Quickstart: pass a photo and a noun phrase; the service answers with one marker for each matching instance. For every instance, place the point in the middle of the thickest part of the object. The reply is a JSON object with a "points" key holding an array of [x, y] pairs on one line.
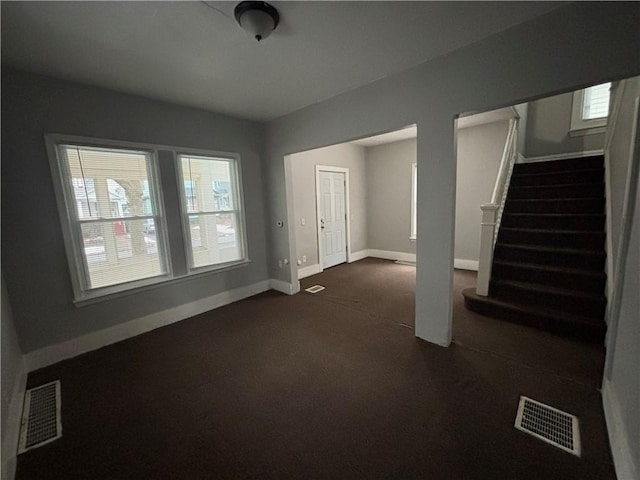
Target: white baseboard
{"points": [[355, 256], [281, 286], [562, 156], [389, 255], [55, 353], [308, 271], [12, 429], [463, 264], [623, 456]]}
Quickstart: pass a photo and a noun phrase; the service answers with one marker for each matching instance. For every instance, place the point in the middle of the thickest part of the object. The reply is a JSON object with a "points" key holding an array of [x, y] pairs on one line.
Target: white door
{"points": [[333, 221]]}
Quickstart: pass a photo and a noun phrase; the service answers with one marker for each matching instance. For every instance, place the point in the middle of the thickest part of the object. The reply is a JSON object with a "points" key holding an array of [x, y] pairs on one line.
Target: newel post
{"points": [[487, 231]]}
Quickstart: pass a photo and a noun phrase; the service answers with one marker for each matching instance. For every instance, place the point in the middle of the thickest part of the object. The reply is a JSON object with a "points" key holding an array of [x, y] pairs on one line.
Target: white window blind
{"points": [[595, 103], [112, 209], [212, 208]]}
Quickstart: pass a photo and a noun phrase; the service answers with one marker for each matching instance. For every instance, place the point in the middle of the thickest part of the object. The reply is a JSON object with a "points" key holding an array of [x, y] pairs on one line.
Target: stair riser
{"points": [[558, 222], [592, 333], [582, 283], [565, 191], [559, 165], [589, 240], [587, 205], [553, 259], [587, 176], [587, 307]]}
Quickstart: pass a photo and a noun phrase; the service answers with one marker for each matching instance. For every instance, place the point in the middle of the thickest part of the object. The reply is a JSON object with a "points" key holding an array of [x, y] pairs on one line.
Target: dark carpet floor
{"points": [[332, 385]]}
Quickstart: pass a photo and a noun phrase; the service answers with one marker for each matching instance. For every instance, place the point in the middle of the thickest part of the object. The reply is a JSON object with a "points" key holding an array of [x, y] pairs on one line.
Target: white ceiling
{"points": [[191, 54]]}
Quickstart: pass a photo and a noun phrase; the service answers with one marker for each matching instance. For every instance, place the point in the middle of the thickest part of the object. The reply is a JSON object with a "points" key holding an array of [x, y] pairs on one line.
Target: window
{"points": [[111, 206], [212, 210], [414, 201], [590, 110], [113, 218]]}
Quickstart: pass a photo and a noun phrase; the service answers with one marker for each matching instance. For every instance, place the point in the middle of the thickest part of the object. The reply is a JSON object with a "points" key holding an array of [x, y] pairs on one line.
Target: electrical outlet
{"points": [[303, 221], [304, 259], [280, 263]]}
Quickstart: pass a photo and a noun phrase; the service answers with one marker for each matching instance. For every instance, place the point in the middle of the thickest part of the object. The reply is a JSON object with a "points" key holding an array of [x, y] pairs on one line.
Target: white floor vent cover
{"points": [[314, 289], [549, 425], [40, 417]]}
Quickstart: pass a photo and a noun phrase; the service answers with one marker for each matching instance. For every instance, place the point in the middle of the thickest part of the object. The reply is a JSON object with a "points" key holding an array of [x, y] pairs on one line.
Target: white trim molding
{"points": [[283, 287], [355, 256], [623, 456], [562, 156], [309, 270], [463, 264], [92, 341], [389, 255]]}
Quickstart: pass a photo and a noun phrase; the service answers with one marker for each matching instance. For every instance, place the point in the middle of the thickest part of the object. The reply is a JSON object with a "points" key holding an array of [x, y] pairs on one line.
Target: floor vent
{"points": [[549, 425], [40, 417], [314, 289]]}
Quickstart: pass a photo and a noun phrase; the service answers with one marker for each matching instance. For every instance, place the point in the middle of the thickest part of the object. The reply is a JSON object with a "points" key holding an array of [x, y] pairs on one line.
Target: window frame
{"points": [[239, 210], [580, 126], [72, 224], [171, 251], [414, 202]]}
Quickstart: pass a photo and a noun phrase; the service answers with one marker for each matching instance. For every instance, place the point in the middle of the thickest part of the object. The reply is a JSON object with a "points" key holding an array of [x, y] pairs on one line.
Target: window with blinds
{"points": [[111, 202], [590, 110], [595, 103], [212, 210]]}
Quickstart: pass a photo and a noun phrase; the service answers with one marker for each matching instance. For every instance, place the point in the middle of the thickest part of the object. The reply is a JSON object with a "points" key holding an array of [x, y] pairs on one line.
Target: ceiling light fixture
{"points": [[257, 18]]}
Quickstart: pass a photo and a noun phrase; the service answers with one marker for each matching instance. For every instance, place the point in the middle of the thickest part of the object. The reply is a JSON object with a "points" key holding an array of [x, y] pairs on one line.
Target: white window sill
{"points": [[587, 131], [108, 293]]}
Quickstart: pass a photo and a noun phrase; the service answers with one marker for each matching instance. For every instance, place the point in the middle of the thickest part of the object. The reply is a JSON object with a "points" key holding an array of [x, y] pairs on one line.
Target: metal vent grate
{"points": [[40, 417], [549, 425], [314, 289]]}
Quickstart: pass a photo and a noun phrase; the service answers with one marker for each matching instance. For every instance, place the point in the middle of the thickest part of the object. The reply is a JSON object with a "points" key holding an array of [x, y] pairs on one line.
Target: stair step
{"points": [[560, 165], [555, 221], [561, 238], [551, 256], [564, 177], [581, 280], [571, 301], [571, 190], [543, 318], [555, 205]]}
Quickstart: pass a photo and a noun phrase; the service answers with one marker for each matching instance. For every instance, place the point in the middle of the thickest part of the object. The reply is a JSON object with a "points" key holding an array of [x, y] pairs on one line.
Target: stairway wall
{"points": [[548, 126]]}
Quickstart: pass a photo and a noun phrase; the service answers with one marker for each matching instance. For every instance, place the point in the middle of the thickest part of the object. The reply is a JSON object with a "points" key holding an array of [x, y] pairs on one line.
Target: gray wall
{"points": [[33, 254], [304, 190], [389, 174], [11, 371], [548, 125], [624, 359], [479, 154], [546, 56]]}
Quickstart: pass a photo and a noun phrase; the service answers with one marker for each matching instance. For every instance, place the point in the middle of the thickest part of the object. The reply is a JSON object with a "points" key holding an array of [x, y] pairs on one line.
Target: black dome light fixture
{"points": [[257, 18]]}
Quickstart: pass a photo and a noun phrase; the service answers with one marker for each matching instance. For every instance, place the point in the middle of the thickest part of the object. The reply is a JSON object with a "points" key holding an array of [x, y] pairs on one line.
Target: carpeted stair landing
{"points": [[549, 258]]}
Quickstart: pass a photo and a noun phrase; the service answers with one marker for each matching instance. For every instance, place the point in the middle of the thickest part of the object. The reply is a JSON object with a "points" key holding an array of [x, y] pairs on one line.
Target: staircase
{"points": [[549, 258]]}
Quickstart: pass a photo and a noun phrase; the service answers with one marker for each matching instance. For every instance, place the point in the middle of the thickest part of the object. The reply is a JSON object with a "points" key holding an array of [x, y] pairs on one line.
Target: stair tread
{"points": [[549, 268], [545, 248], [550, 289], [554, 200], [553, 215], [560, 185], [552, 230], [559, 172], [536, 310]]}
